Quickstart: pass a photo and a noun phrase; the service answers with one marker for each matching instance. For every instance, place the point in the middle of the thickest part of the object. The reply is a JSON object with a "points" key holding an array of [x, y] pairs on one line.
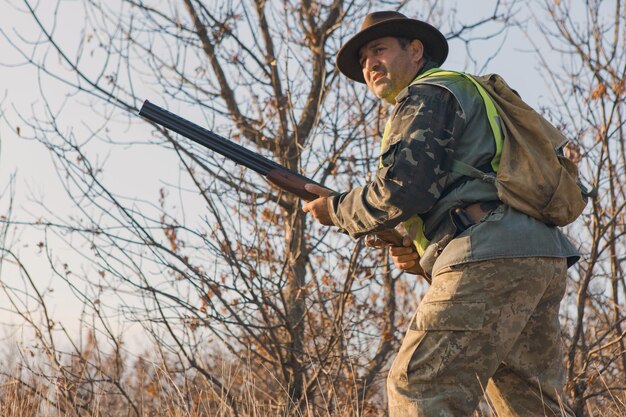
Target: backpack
{"points": [[531, 173]]}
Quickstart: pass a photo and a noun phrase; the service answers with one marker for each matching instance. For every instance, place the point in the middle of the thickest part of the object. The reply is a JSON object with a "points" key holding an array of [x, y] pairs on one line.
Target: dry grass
{"points": [[148, 388]]}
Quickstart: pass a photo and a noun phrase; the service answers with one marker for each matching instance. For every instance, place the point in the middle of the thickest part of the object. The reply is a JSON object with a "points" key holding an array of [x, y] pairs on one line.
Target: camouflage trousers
{"points": [[489, 326]]}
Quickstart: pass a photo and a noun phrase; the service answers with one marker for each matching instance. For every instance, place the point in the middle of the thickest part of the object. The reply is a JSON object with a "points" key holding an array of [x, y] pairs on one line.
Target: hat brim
{"points": [[435, 43]]}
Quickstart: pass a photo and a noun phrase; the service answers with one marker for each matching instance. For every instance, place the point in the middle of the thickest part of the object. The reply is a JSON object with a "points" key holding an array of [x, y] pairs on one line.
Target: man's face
{"points": [[388, 68]]}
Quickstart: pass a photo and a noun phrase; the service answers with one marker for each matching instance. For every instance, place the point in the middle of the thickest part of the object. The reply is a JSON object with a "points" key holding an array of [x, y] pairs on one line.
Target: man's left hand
{"points": [[319, 207]]}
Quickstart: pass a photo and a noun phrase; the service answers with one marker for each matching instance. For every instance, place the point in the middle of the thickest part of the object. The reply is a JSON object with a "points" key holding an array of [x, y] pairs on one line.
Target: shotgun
{"points": [[275, 173]]}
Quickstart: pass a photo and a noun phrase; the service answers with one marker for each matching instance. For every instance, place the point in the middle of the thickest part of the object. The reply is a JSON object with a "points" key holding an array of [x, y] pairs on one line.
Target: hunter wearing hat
{"points": [[489, 321]]}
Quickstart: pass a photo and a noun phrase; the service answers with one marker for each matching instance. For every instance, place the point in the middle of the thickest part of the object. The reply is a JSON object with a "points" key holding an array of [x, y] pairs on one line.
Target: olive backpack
{"points": [[532, 174]]}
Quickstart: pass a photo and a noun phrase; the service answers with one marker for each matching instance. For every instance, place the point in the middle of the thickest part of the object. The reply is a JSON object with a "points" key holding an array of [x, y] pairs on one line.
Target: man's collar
{"points": [[427, 66]]}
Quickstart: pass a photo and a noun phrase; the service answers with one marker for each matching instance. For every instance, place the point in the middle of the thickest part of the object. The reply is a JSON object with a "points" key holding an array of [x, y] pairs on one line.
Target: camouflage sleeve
{"points": [[411, 177]]}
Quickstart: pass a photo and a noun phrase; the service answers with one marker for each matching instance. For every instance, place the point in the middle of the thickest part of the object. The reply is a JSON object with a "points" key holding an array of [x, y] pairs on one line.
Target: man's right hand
{"points": [[404, 257]]}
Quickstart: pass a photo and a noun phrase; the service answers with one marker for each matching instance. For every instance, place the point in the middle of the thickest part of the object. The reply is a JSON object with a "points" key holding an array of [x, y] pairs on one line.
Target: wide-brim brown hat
{"points": [[381, 24]]}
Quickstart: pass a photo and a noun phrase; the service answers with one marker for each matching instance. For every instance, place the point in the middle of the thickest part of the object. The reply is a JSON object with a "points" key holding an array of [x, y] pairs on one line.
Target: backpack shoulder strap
{"points": [[467, 170]]}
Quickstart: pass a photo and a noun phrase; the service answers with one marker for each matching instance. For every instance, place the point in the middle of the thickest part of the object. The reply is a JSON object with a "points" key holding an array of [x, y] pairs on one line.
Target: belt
{"points": [[465, 217]]}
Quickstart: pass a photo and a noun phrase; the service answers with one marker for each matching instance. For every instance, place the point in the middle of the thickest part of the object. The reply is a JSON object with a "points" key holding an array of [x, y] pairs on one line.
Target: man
{"points": [[489, 321]]}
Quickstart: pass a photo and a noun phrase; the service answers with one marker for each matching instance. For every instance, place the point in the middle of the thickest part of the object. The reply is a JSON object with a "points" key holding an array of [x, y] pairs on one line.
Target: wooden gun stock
{"points": [[391, 236], [293, 184]]}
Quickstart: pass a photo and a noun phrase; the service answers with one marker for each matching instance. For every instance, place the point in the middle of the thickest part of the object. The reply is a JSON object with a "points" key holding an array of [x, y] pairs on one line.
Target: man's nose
{"points": [[371, 63]]}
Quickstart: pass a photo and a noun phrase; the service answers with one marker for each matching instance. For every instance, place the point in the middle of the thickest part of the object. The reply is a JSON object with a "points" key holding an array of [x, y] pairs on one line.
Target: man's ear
{"points": [[417, 50]]}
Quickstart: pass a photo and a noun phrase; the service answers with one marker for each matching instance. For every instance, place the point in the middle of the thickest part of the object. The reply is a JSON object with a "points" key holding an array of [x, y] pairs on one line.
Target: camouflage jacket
{"points": [[423, 127]]}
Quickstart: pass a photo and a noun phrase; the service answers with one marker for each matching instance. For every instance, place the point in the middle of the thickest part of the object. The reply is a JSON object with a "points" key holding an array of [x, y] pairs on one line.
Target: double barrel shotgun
{"points": [[275, 173]]}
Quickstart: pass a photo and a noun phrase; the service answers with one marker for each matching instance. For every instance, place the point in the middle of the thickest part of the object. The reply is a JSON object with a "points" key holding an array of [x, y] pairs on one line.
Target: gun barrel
{"points": [[208, 139], [276, 173]]}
